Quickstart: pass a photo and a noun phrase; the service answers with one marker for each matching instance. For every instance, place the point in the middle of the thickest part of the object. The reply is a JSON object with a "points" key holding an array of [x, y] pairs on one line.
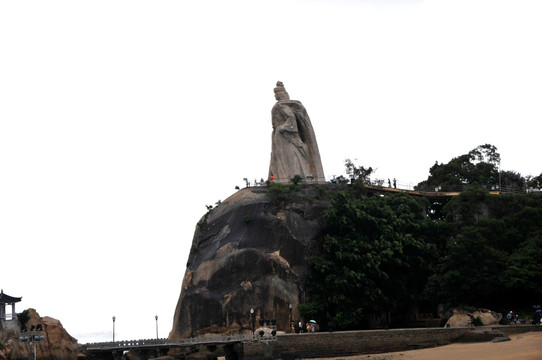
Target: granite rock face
{"points": [[58, 344], [248, 253]]}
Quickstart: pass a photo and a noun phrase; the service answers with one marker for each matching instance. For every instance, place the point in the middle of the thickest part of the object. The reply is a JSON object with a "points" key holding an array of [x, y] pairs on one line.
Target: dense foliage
{"points": [[356, 173], [385, 254], [372, 247], [534, 181], [23, 317], [479, 166]]}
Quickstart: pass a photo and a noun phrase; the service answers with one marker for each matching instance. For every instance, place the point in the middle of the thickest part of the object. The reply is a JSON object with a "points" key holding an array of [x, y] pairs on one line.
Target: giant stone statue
{"points": [[294, 150]]}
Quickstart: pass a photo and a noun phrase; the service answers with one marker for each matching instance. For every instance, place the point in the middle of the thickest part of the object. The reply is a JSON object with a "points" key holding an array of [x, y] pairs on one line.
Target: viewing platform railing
{"points": [[450, 188]]}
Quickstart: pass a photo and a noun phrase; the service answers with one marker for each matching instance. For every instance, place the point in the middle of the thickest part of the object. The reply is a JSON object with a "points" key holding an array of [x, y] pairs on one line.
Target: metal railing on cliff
{"points": [[461, 188], [451, 189]]}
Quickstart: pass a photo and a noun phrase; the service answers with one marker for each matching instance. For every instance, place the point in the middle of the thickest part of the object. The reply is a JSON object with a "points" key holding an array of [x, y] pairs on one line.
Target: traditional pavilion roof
{"points": [[6, 299]]}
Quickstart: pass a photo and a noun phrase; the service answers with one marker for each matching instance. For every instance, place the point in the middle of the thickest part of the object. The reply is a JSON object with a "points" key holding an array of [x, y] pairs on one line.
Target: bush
{"points": [[278, 192], [296, 180], [23, 317]]}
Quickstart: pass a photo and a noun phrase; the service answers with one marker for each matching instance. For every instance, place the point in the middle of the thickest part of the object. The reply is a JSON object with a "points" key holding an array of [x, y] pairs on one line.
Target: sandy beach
{"points": [[526, 346]]}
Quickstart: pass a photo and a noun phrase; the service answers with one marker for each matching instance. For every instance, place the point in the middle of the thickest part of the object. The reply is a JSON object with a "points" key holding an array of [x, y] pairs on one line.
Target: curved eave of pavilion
{"points": [[6, 299]]}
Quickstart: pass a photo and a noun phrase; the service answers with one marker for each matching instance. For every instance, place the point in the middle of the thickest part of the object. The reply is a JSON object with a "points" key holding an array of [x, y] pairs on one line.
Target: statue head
{"points": [[280, 92]]}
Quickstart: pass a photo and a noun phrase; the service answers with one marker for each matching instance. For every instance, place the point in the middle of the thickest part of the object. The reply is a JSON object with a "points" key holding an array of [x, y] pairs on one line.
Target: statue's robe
{"points": [[294, 149]]}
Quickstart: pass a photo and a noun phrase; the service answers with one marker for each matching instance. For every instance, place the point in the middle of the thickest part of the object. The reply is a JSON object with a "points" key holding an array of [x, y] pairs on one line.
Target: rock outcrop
{"points": [[461, 317], [248, 253], [57, 343]]}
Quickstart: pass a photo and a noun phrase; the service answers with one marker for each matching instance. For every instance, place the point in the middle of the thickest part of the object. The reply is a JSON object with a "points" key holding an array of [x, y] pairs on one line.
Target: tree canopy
{"points": [[382, 254], [371, 247], [478, 166]]}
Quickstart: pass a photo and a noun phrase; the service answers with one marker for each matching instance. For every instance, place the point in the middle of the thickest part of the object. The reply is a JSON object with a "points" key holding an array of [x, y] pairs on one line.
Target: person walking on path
{"points": [[510, 317], [394, 183]]}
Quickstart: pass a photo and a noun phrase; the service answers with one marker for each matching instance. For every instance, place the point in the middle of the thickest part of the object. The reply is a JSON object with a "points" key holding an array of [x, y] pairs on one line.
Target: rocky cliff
{"points": [[57, 343], [249, 253]]}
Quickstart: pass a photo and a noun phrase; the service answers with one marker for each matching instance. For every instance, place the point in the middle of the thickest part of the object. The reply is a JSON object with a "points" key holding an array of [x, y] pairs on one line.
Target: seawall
{"points": [[345, 343]]}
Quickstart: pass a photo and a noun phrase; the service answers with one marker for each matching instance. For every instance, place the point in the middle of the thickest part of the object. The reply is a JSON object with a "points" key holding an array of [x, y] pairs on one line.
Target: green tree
{"points": [[486, 153], [524, 271], [468, 207], [492, 254], [296, 180], [478, 166], [365, 266], [359, 174], [528, 221], [382, 253], [23, 317], [535, 182], [469, 272]]}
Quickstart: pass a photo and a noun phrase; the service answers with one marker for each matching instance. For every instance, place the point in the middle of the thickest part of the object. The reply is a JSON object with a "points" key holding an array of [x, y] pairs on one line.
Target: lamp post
{"points": [[290, 307], [156, 318], [114, 329], [500, 188], [252, 319]]}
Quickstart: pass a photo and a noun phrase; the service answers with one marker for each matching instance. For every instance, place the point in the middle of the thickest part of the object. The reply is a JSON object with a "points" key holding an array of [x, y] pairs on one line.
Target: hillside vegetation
{"points": [[390, 254]]}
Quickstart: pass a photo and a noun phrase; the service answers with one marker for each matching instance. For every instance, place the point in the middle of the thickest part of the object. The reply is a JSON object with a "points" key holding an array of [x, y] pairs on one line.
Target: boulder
{"points": [[460, 317], [249, 253]]}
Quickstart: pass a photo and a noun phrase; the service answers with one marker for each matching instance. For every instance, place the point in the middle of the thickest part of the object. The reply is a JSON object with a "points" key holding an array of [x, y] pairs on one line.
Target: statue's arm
{"points": [[292, 136], [289, 131]]}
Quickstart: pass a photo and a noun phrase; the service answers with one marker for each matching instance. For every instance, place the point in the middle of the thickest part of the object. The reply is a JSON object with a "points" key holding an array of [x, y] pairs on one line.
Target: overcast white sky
{"points": [[121, 120]]}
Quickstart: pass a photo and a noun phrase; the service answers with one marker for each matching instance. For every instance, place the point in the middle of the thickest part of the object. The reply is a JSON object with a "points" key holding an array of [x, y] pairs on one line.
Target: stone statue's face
{"points": [[282, 95]]}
